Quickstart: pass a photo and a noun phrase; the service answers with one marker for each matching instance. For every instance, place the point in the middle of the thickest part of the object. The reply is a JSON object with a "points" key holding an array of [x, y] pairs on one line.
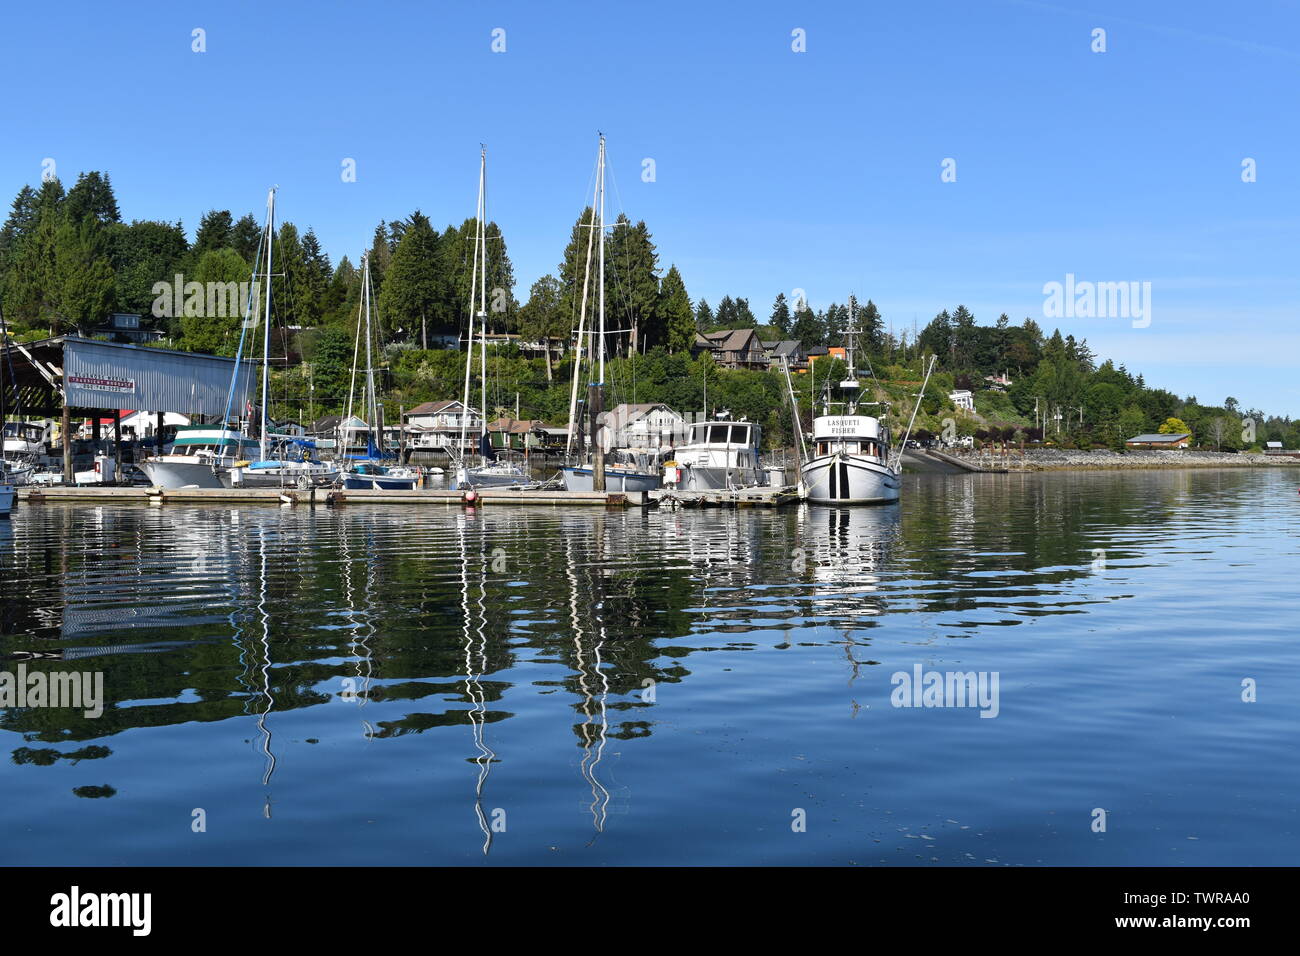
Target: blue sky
{"points": [[775, 170]]}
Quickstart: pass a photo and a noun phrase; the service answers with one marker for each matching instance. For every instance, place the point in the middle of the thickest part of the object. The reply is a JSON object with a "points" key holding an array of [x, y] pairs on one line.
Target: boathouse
{"points": [[1158, 441], [68, 375]]}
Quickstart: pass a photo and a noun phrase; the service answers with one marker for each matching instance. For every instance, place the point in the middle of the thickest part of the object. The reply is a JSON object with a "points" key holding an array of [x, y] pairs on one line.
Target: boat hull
{"points": [[378, 483], [711, 478], [8, 495], [177, 472], [581, 479], [850, 480], [279, 477]]}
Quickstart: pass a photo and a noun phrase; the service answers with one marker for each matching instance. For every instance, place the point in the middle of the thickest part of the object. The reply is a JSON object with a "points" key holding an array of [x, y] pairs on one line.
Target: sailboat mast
{"points": [[372, 403], [266, 332], [481, 251], [600, 181], [582, 333]]}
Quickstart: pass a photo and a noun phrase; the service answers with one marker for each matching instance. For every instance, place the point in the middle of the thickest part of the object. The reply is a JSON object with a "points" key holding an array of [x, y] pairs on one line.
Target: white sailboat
{"points": [[489, 472], [852, 462], [624, 470], [369, 471], [273, 467]]}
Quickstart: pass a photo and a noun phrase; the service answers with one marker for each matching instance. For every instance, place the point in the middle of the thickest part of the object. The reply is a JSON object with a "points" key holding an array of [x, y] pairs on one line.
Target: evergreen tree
{"points": [[216, 231], [704, 319], [632, 284], [413, 286], [542, 316], [676, 314], [872, 327], [92, 198], [143, 254], [244, 238], [780, 319]]}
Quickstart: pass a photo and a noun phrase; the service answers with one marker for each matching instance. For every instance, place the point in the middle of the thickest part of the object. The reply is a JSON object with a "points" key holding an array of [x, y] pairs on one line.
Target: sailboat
{"points": [[489, 472], [852, 461], [623, 471], [369, 471], [200, 454], [273, 467]]}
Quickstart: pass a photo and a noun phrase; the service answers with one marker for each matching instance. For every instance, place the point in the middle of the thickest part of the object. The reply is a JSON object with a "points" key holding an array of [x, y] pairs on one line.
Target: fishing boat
{"points": [[286, 462], [720, 455], [852, 461], [198, 456], [369, 470], [490, 471], [623, 469]]}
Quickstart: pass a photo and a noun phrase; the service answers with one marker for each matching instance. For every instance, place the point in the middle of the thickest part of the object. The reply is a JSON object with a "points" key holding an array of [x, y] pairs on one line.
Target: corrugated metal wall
{"points": [[107, 375]]}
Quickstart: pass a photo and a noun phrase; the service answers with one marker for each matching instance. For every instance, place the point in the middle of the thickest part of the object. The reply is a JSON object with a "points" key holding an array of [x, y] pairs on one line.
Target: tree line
{"points": [[67, 259]]}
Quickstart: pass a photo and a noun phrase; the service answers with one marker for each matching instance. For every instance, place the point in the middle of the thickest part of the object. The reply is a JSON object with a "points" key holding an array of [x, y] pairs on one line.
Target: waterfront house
{"points": [[644, 425], [1158, 441], [963, 399], [732, 348], [437, 426], [517, 434]]}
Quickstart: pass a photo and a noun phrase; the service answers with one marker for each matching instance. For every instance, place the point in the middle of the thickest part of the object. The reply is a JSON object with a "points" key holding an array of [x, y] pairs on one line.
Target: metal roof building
{"points": [[54, 377], [90, 374]]}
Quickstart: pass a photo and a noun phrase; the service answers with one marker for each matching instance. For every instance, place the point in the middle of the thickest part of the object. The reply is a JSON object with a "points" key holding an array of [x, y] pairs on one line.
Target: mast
{"points": [[582, 333], [372, 403], [596, 393], [481, 263], [600, 187], [266, 332]]}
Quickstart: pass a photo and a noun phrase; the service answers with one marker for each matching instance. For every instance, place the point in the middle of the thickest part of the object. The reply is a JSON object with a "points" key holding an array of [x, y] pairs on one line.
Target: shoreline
{"points": [[1045, 459]]}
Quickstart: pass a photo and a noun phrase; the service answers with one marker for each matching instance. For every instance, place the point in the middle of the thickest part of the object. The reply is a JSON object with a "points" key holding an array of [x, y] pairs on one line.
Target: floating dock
{"points": [[767, 497], [330, 497]]}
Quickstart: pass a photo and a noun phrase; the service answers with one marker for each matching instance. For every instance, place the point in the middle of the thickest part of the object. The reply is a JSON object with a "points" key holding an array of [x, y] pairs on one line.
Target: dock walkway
{"points": [[328, 496]]}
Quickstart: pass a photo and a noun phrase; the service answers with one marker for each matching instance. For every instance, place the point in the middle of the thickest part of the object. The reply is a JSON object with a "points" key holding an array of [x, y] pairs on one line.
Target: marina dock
{"points": [[329, 497]]}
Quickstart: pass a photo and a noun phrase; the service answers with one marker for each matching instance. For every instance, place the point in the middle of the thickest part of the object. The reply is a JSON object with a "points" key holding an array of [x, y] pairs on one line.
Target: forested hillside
{"points": [[68, 259]]}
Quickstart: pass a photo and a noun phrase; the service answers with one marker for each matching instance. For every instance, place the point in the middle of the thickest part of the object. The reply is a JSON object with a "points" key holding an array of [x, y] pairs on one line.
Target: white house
{"points": [[437, 426], [963, 399]]}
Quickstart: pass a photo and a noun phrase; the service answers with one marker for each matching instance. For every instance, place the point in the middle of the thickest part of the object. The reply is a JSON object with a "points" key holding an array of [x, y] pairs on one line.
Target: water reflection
{"points": [[426, 620]]}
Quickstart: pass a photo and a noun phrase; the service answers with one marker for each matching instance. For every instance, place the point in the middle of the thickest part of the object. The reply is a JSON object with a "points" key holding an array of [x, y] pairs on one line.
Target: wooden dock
{"points": [[328, 497], [773, 497]]}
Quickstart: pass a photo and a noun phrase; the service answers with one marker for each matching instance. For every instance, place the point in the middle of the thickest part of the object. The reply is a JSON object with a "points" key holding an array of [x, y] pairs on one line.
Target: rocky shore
{"points": [[1059, 459]]}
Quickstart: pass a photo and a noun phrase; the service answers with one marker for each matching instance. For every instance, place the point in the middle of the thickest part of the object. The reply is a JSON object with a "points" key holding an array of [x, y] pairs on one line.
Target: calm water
{"points": [[390, 685]]}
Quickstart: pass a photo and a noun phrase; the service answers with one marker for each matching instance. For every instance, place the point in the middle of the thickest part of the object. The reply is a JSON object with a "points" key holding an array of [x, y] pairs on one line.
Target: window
{"points": [[740, 434], [718, 434]]}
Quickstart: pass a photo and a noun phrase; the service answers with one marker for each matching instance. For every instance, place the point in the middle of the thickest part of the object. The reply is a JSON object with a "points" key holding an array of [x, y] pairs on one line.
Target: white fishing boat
{"points": [[489, 471], [851, 460], [720, 455], [199, 455], [25, 440], [622, 469]]}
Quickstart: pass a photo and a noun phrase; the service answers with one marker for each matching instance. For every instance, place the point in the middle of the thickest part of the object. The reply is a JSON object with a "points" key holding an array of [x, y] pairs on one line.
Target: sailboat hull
{"points": [[850, 480], [355, 482], [577, 478]]}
